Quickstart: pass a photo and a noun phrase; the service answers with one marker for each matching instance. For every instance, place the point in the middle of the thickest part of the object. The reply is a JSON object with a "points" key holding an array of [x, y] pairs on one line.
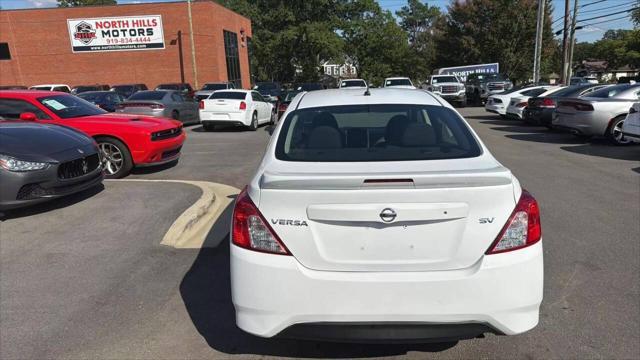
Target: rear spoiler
{"points": [[426, 180]]}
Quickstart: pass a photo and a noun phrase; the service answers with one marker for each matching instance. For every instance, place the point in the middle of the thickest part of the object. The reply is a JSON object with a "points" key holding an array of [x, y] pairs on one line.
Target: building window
{"points": [[5, 54], [233, 60]]}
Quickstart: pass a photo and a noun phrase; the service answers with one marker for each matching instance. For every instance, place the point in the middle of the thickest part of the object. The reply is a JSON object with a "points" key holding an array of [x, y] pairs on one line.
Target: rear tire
{"points": [[254, 122], [614, 132], [115, 156]]}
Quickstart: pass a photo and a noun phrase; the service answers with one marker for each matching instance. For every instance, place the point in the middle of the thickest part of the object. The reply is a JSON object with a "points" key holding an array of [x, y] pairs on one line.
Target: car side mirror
{"points": [[28, 116]]}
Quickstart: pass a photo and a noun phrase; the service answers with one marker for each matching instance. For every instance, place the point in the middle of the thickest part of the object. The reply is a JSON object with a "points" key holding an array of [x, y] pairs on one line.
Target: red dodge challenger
{"points": [[124, 140]]}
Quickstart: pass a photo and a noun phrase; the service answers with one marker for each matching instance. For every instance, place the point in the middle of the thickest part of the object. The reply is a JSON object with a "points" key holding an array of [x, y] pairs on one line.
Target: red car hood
{"points": [[141, 122]]}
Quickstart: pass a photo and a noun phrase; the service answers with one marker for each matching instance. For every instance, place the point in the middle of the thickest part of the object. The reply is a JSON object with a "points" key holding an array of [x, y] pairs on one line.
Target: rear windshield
{"points": [[361, 133], [214, 86], [233, 95], [148, 95], [353, 83], [92, 96], [397, 82], [169, 87], [609, 91], [266, 86], [122, 88], [291, 95], [444, 79]]}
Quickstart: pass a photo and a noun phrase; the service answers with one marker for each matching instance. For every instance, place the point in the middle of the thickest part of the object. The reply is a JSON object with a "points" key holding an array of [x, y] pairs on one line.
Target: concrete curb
{"points": [[190, 229]]}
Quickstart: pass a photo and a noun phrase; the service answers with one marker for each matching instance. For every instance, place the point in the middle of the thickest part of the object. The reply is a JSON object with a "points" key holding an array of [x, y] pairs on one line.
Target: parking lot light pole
{"points": [[193, 47], [565, 49], [572, 41], [538, 44], [180, 55]]}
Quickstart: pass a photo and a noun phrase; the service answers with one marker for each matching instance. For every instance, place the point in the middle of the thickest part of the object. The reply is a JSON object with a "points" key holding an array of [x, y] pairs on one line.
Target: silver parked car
{"points": [[162, 103], [209, 88], [601, 113]]}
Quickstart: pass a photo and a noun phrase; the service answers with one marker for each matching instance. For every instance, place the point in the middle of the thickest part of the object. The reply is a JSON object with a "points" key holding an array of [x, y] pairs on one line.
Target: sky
{"points": [[587, 9]]}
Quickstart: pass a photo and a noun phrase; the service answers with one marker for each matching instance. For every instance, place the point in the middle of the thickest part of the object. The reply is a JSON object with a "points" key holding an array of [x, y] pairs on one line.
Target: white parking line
{"points": [[191, 228]]}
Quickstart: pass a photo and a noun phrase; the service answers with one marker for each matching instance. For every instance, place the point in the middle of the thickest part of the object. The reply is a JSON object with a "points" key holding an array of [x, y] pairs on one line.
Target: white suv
{"points": [[398, 82], [381, 215]]}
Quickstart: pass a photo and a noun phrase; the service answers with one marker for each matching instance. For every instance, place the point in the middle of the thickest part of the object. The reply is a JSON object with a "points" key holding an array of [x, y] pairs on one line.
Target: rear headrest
{"points": [[395, 129], [325, 119], [419, 135], [325, 137]]}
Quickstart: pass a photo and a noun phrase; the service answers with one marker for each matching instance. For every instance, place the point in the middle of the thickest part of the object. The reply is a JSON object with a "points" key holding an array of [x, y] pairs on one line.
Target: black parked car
{"points": [[39, 162], [539, 110], [127, 90], [271, 91], [106, 100], [84, 88]]}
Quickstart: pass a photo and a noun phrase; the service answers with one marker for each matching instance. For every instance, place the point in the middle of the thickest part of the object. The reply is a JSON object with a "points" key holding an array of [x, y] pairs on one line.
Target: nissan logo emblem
{"points": [[388, 215]]}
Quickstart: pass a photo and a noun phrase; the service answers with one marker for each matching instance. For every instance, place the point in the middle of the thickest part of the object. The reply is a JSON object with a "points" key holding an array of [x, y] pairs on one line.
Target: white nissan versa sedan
{"points": [[382, 216]]}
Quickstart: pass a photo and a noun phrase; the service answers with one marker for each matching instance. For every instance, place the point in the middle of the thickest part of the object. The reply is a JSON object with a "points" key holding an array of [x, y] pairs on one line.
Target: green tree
{"points": [[291, 38], [374, 41], [503, 31], [418, 20], [74, 3]]}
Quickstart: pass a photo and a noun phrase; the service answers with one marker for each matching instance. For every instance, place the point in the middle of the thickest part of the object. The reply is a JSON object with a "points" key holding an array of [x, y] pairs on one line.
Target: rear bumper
{"points": [[272, 293], [499, 109], [538, 116], [580, 123], [514, 112], [234, 118]]}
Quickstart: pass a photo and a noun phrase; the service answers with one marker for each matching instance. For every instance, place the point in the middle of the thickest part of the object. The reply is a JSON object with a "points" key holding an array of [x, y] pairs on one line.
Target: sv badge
{"points": [[486, 220]]}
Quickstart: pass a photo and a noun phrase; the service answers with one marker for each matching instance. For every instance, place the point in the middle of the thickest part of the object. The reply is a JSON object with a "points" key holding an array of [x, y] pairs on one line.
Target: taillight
{"points": [[201, 104], [243, 105], [521, 104], [548, 103], [583, 107], [522, 229], [250, 229], [282, 107]]}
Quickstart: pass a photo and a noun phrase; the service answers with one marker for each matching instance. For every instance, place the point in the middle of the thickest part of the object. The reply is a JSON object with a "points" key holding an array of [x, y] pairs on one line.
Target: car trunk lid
{"points": [[404, 221]]}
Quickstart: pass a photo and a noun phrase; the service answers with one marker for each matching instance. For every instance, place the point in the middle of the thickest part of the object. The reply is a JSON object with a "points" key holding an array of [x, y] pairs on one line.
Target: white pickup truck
{"points": [[449, 87]]}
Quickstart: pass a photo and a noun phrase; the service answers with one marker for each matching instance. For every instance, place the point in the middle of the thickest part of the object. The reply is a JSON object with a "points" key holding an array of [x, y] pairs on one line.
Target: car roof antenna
{"points": [[367, 92]]}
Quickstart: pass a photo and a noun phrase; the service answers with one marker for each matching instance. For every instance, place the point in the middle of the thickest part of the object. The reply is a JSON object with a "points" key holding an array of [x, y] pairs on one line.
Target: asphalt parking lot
{"points": [[86, 277]]}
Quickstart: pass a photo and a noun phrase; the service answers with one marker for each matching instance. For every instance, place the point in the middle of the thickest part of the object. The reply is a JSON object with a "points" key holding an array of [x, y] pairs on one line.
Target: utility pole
{"points": [[193, 47], [565, 49], [572, 40], [180, 55], [538, 47]]}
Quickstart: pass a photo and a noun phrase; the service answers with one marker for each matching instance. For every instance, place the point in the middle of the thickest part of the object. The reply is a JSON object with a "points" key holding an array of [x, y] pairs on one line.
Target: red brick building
{"points": [[36, 45]]}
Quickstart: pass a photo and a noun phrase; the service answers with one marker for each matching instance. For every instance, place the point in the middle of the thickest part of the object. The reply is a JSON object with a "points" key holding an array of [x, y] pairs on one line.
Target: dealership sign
{"points": [[463, 71], [116, 33]]}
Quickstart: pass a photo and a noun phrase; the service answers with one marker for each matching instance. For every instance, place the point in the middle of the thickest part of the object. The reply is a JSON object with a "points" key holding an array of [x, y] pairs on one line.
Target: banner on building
{"points": [[463, 71], [116, 33]]}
